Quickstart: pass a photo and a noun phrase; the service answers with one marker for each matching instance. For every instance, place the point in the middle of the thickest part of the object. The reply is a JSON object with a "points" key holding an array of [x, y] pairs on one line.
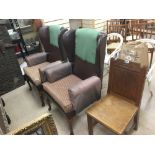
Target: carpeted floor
{"points": [[23, 106]]}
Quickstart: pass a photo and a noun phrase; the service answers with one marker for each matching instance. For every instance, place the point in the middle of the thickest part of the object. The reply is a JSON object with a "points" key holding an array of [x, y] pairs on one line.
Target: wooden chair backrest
{"points": [[127, 80], [117, 26]]}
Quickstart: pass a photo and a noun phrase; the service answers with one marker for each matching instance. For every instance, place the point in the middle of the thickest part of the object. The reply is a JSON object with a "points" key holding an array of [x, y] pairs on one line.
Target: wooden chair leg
{"points": [[136, 120], [49, 104], [151, 93], [8, 118], [42, 98], [90, 125], [30, 88], [70, 120]]}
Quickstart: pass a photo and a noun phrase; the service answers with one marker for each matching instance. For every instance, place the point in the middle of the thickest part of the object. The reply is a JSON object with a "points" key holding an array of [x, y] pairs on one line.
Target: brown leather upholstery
{"points": [[82, 68], [35, 59], [85, 92], [59, 91], [39, 60], [54, 53], [59, 71], [44, 68], [33, 72], [82, 87]]}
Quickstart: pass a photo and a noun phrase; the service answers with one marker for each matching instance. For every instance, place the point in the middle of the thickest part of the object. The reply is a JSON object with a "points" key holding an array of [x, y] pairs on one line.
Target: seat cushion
{"points": [[59, 91], [113, 111], [33, 72]]}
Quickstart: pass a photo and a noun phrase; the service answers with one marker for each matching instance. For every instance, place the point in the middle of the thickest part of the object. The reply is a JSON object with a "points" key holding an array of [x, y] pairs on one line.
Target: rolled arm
{"points": [[37, 58], [58, 71], [85, 93], [44, 68]]}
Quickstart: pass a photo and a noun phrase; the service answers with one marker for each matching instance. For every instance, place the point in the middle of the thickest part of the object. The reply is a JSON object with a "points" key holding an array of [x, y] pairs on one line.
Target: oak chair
{"points": [[76, 84], [119, 109]]}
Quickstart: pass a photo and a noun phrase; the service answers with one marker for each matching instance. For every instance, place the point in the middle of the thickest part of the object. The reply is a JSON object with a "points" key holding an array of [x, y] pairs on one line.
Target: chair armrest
{"points": [[44, 68], [58, 71], [85, 93], [35, 59]]}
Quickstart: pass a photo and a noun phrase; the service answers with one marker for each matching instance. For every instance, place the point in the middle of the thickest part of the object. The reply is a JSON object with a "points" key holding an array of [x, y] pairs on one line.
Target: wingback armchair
{"points": [[50, 37], [76, 84]]}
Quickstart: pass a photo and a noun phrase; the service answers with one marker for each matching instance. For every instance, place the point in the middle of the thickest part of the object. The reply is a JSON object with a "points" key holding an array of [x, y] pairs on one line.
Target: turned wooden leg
{"points": [[49, 104], [70, 120], [30, 88], [41, 94], [90, 125]]}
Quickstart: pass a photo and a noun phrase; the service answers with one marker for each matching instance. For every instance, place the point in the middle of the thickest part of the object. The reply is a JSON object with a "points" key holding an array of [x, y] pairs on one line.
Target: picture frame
{"points": [[43, 125]]}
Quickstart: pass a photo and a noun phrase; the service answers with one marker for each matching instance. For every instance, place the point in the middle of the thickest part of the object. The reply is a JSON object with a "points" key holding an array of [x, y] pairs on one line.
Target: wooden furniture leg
{"points": [[30, 88], [49, 104], [70, 120], [136, 120], [42, 98], [151, 58], [90, 125]]}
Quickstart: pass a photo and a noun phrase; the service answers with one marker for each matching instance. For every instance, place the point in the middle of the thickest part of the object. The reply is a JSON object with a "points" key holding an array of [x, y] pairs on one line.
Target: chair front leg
{"points": [[70, 123], [41, 94], [49, 104], [28, 82]]}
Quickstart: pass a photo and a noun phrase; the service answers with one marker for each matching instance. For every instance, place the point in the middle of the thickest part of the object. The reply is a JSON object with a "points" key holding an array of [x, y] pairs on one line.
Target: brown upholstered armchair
{"points": [[50, 37], [76, 84]]}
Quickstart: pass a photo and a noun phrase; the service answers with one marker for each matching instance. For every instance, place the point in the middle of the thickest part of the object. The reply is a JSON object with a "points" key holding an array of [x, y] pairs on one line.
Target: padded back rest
{"points": [[89, 53], [69, 45], [51, 46]]}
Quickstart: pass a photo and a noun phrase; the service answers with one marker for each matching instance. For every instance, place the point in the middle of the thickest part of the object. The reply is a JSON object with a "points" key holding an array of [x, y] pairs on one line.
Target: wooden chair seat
{"points": [[114, 112]]}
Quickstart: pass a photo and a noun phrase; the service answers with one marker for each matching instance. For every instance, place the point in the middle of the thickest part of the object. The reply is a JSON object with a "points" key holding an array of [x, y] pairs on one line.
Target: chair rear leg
{"points": [[49, 104]]}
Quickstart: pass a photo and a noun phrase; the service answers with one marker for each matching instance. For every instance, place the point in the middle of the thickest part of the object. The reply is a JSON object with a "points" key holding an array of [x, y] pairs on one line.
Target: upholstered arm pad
{"points": [[44, 68], [37, 58], [85, 93], [58, 71]]}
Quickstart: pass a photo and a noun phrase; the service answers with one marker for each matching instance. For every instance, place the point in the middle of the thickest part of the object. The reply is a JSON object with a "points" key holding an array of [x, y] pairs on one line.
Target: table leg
{"points": [[90, 125]]}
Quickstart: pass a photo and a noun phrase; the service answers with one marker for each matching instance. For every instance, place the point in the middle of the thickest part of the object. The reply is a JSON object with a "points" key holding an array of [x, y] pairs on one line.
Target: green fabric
{"points": [[54, 31], [86, 44]]}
